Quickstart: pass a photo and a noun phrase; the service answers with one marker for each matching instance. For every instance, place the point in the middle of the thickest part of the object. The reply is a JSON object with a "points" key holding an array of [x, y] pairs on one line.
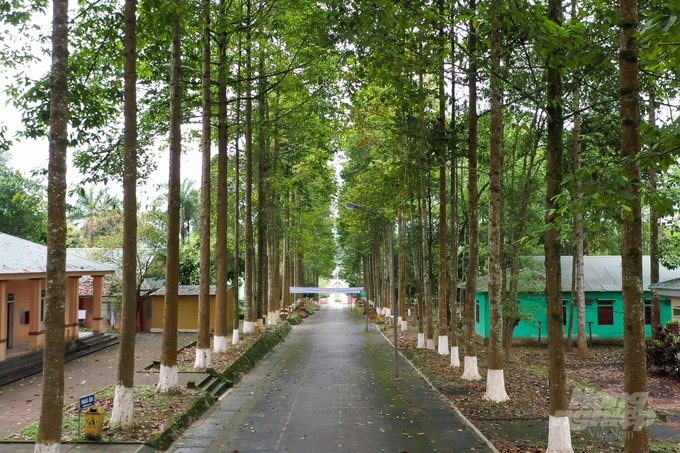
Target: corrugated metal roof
{"points": [[602, 274], [19, 256], [673, 284], [187, 290]]}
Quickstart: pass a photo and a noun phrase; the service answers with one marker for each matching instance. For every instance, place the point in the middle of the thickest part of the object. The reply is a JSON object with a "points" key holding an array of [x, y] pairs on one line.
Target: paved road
{"points": [[329, 388], [20, 400]]}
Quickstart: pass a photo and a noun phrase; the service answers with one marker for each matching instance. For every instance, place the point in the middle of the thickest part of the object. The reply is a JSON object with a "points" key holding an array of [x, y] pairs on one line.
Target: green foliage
{"points": [[22, 206]]}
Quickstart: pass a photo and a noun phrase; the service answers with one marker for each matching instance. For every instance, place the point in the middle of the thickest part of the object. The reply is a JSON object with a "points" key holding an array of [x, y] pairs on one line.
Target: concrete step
{"points": [[25, 365]]}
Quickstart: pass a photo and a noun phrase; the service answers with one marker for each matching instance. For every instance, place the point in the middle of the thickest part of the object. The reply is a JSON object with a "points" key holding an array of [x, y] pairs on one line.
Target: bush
{"points": [[663, 352]]}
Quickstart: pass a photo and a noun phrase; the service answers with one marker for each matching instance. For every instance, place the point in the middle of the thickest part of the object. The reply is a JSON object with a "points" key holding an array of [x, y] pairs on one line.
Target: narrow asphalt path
{"points": [[330, 387]]}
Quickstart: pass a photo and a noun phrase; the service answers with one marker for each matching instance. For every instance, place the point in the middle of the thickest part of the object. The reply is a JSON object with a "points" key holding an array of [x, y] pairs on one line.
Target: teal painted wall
{"points": [[535, 304], [482, 327]]}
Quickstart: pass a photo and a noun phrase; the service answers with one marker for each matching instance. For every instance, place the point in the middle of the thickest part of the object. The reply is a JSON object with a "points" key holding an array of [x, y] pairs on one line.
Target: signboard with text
{"points": [[87, 401]]}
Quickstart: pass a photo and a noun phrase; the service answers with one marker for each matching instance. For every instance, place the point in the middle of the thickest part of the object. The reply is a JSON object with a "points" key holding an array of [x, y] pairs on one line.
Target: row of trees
{"points": [[490, 131], [260, 80]]}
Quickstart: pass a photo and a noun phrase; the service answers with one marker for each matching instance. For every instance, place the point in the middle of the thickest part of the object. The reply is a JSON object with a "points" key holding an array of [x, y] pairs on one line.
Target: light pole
{"points": [[390, 275]]}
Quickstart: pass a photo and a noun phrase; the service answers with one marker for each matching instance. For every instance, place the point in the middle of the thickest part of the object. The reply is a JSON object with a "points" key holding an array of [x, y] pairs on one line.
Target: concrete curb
{"points": [[441, 396]]}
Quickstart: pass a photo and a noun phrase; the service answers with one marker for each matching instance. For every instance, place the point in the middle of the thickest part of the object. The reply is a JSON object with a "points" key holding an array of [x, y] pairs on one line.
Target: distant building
{"points": [[22, 293], [187, 308], [670, 289], [604, 299]]}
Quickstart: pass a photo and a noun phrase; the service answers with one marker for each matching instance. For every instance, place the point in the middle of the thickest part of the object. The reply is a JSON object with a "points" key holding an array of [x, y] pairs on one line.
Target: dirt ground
{"points": [[520, 425]]}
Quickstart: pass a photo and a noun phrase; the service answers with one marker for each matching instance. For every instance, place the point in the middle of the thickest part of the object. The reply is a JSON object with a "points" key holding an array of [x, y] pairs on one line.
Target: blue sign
{"points": [[86, 401]]}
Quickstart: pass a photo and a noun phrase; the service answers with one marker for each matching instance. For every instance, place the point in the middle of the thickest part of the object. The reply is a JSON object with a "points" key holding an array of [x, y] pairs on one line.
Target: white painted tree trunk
{"points": [[421, 340], [221, 344], [167, 378], [409, 312], [235, 336], [455, 359], [400, 320], [470, 372], [559, 436], [495, 387], [203, 358], [52, 448], [430, 343], [443, 345], [249, 327], [404, 325], [123, 407]]}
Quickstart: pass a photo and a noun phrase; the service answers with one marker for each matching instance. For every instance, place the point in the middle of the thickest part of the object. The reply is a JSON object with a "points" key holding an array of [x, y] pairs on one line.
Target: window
{"points": [[10, 297], [42, 305], [648, 312], [478, 312], [149, 308], [605, 312]]}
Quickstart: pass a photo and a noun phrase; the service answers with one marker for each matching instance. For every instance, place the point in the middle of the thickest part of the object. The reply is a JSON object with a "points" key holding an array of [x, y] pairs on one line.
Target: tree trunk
{"points": [[572, 303], [168, 379], [51, 410], [250, 302], [203, 352], [262, 209], [654, 234], [402, 271], [495, 384], [578, 234], [443, 340], [471, 371], [224, 313], [559, 436], [635, 379], [123, 402], [237, 209], [453, 245]]}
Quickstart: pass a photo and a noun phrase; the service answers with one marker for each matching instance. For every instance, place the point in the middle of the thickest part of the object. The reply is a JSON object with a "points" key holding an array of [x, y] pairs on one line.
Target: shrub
{"points": [[663, 352]]}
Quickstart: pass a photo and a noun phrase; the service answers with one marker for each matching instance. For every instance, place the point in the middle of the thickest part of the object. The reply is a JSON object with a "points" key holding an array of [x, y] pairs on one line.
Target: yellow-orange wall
{"points": [[187, 317], [22, 292]]}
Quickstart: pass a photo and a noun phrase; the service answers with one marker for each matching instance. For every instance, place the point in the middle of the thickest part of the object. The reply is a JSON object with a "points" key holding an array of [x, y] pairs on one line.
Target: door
{"points": [[10, 325]]}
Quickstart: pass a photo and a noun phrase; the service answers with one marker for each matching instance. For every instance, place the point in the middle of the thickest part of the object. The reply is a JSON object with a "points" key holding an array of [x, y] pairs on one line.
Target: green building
{"points": [[604, 300]]}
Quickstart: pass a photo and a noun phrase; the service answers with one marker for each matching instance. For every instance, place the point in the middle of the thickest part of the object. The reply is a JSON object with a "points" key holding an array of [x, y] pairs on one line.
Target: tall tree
{"points": [[635, 379], [559, 436], [237, 206], [223, 312], [443, 346], [495, 381], [262, 208], [654, 232], [579, 249], [402, 271], [471, 372], [123, 403], [51, 410], [203, 352], [168, 379], [453, 180], [250, 302]]}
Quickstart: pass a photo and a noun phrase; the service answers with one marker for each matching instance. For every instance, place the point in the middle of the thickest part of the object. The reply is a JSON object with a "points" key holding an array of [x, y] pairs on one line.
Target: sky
{"points": [[28, 155]]}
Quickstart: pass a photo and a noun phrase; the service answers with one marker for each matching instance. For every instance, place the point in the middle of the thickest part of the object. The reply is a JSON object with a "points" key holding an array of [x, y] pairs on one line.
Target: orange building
{"points": [[187, 308], [22, 293]]}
